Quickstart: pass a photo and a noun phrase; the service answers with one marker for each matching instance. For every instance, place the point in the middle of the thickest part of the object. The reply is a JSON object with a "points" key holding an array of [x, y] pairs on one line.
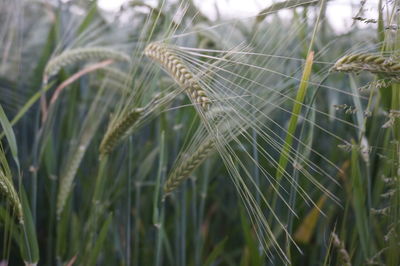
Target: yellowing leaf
{"points": [[305, 230]]}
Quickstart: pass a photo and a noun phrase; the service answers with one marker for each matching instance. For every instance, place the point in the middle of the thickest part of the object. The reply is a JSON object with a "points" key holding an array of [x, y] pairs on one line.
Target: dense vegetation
{"points": [[158, 136]]}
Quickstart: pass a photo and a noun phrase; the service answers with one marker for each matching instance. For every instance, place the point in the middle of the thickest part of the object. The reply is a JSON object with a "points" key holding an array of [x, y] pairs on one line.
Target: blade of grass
{"points": [[301, 93], [9, 133], [30, 249], [215, 253], [94, 254], [28, 105], [359, 203], [284, 158]]}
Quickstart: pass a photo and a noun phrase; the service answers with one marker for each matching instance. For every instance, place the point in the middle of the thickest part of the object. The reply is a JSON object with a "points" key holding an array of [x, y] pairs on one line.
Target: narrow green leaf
{"points": [[100, 241], [30, 248], [381, 26], [9, 133], [284, 158], [89, 18], [217, 251], [359, 206], [251, 241], [27, 106]]}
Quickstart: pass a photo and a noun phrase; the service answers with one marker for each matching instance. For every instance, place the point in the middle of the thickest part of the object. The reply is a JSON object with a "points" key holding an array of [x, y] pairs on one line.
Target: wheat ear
{"points": [[115, 134], [372, 63], [82, 54], [166, 57], [182, 172], [8, 191]]}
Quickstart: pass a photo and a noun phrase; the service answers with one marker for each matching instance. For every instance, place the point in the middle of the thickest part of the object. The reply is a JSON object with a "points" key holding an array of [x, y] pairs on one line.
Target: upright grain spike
{"points": [[119, 128], [218, 116], [113, 136]]}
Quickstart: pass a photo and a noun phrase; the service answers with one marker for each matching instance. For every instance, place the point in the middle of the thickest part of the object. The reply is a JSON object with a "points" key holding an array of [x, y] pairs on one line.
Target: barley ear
{"points": [[375, 64], [115, 133], [179, 71]]}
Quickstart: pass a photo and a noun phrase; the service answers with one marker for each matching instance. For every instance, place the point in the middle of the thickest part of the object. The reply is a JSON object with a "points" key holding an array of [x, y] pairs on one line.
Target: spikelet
{"points": [[115, 134], [166, 57], [375, 64], [81, 54]]}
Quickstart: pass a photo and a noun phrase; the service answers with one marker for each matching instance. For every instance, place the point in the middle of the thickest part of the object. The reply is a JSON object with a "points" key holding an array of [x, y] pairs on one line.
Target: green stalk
{"points": [[362, 222], [158, 215], [129, 207]]}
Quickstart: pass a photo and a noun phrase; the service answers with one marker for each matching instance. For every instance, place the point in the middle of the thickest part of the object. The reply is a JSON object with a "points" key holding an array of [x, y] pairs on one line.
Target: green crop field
{"points": [[161, 133]]}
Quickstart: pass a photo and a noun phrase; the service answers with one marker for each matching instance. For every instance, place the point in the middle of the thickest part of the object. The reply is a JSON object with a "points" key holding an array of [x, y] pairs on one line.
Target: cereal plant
{"points": [[162, 133]]}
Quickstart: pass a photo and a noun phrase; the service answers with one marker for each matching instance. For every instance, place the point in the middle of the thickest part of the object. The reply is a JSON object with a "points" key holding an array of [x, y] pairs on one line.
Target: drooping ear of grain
{"points": [[166, 57], [375, 64], [221, 117], [82, 54]]}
